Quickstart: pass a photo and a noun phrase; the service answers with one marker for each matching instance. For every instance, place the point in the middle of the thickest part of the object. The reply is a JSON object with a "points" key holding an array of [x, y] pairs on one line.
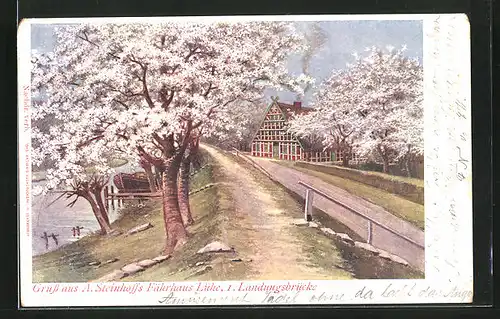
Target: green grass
{"points": [[403, 208], [410, 180]]}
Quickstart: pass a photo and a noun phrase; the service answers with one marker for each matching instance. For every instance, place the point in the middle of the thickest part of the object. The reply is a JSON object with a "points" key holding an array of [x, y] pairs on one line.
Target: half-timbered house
{"points": [[274, 141]]}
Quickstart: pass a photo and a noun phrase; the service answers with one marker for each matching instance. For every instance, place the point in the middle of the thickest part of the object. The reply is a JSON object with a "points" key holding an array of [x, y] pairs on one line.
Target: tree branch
{"points": [[145, 90]]}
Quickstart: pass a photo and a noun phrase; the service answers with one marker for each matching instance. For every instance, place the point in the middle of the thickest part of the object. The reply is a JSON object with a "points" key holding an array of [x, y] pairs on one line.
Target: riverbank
{"points": [[75, 262]]}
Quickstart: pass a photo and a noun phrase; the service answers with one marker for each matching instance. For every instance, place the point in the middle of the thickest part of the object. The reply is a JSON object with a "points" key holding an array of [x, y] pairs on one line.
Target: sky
{"points": [[343, 39]]}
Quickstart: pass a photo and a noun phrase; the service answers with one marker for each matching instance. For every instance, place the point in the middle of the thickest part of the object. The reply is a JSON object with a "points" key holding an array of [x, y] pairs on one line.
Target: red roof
{"points": [[293, 109]]}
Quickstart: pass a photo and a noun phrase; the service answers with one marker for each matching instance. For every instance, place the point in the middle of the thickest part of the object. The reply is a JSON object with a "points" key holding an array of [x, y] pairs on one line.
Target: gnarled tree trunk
{"points": [[183, 191], [149, 174], [151, 179], [191, 155], [174, 227], [100, 203], [103, 222], [169, 165]]}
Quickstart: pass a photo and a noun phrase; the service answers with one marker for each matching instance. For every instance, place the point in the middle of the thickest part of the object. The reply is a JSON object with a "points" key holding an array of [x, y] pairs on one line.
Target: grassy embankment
{"points": [[70, 263], [401, 207]]}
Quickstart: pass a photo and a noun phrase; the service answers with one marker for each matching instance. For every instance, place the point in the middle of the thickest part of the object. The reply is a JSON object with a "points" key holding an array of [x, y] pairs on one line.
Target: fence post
{"points": [[370, 232], [106, 194], [112, 197], [308, 206]]}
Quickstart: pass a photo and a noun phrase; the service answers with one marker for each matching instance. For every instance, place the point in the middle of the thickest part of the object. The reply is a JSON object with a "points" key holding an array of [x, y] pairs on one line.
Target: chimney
{"points": [[297, 104]]}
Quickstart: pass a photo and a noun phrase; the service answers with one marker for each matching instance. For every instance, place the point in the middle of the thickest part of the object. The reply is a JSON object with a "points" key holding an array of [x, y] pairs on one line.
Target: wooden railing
{"points": [[139, 195], [310, 190]]}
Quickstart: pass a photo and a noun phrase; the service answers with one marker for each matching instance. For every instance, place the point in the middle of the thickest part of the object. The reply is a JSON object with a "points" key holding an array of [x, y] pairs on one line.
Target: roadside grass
{"points": [[332, 254], [410, 180], [403, 208]]}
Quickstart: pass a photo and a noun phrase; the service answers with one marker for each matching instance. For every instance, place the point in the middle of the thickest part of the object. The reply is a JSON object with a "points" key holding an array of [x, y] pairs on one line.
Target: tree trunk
{"points": [[346, 157], [386, 164], [408, 159], [183, 191], [105, 226], [158, 178], [345, 161], [100, 203], [151, 179], [382, 150], [407, 167], [175, 231], [149, 174]]}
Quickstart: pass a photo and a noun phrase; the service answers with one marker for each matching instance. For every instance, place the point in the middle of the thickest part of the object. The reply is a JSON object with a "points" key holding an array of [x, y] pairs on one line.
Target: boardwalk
{"points": [[382, 238]]}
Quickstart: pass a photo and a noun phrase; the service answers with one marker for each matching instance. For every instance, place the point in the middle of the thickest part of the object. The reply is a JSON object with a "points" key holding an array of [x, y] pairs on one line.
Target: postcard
{"points": [[245, 160]]}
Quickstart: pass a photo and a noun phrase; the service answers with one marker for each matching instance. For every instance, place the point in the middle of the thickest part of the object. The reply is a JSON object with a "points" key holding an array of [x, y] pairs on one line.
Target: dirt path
{"points": [[383, 239], [262, 223]]}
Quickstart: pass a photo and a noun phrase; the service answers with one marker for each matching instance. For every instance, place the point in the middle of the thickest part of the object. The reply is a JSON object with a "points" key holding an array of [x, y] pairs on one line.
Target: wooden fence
{"points": [[116, 198]]}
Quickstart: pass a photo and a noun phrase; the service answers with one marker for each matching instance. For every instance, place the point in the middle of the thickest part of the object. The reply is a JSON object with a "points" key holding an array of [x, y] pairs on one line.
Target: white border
{"points": [[448, 270]]}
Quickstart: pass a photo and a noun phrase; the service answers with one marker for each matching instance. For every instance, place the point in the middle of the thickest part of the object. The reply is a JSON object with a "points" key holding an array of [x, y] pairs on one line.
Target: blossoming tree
{"points": [[149, 90], [391, 109], [76, 169], [374, 107]]}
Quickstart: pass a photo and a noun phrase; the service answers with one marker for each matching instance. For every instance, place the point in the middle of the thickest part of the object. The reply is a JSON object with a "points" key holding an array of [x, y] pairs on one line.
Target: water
{"points": [[60, 219]]}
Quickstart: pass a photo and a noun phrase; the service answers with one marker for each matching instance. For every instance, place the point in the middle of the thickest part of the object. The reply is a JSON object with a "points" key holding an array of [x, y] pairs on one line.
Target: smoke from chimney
{"points": [[316, 39]]}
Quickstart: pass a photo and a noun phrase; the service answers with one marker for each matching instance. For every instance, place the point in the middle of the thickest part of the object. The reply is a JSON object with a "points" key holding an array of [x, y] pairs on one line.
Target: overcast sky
{"points": [[343, 39]]}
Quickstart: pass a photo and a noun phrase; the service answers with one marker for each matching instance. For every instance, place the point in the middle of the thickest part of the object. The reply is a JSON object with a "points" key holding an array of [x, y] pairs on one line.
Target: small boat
{"points": [[131, 182]]}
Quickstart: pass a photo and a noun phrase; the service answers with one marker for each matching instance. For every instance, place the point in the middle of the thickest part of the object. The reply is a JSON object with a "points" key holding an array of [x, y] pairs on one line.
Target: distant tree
{"points": [[391, 89], [373, 107], [333, 118], [242, 121]]}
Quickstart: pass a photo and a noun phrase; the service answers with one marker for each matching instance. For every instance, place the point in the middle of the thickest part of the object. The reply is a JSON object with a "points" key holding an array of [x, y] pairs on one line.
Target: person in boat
{"points": [[54, 237], [46, 238]]}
